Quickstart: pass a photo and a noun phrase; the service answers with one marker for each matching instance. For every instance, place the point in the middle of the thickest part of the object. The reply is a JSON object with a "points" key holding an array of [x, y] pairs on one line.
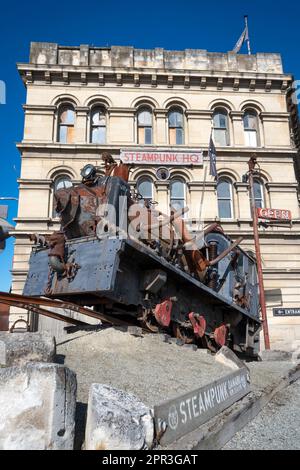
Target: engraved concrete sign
{"points": [[186, 413]]}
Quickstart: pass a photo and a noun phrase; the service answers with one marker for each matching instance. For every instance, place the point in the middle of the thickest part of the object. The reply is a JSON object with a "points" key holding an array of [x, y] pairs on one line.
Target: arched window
{"points": [[224, 194], [221, 131], [258, 193], [177, 194], [176, 129], [66, 121], [98, 125], [250, 120], [144, 122], [61, 182], [145, 188]]}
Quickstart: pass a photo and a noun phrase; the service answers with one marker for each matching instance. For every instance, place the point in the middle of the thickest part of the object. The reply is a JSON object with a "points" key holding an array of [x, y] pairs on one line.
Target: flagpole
{"points": [[248, 39]]}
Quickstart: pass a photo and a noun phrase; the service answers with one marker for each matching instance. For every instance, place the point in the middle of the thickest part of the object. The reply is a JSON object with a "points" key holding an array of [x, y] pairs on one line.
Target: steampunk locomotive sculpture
{"points": [[119, 254]]}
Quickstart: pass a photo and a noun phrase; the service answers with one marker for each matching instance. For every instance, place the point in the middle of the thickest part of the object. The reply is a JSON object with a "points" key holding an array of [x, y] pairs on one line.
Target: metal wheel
{"points": [[149, 322], [185, 334]]}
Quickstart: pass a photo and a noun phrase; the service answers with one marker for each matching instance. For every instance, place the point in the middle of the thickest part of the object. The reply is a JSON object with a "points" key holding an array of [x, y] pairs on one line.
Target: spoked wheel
{"points": [[185, 334], [149, 322]]}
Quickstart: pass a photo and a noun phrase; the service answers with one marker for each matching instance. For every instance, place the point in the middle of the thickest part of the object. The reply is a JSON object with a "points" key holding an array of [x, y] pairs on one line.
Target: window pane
{"points": [[62, 134], [250, 138], [98, 135], [148, 135], [177, 204], [62, 183], [98, 118], [175, 119], [67, 116], [70, 134], [257, 190], [179, 136], [250, 121], [144, 118], [177, 189], [220, 120], [172, 136], [220, 137], [224, 189], [224, 209], [145, 188]]}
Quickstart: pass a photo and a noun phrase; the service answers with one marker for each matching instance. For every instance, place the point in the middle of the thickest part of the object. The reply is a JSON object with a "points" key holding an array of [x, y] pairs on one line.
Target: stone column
{"points": [[160, 130], [238, 128], [199, 126], [162, 196], [81, 127], [243, 203]]}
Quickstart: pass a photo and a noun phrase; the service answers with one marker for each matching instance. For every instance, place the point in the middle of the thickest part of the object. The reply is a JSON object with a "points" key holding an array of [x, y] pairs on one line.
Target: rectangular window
{"points": [[250, 138], [224, 209], [145, 135], [220, 137], [148, 135], [66, 134], [98, 135], [172, 136], [179, 136]]}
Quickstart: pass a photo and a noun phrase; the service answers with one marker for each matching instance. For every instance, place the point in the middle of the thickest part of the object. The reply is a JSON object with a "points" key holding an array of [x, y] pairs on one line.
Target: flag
{"points": [[244, 37], [212, 157]]}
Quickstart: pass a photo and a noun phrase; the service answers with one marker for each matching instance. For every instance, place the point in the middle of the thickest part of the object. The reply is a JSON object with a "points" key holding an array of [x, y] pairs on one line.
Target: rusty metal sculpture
{"points": [[146, 265]]}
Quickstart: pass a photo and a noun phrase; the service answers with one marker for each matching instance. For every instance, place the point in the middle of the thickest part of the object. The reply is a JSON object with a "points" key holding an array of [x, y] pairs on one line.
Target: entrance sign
{"points": [[186, 413], [274, 214], [162, 157], [286, 312]]}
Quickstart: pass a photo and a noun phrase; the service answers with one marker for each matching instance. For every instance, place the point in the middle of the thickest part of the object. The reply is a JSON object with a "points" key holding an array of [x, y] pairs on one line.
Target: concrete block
{"points": [[275, 355], [17, 349], [117, 420], [228, 358], [37, 407]]}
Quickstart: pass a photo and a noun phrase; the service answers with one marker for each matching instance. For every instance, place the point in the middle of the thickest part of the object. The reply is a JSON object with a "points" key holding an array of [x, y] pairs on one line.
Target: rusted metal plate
{"points": [[274, 214], [188, 412]]}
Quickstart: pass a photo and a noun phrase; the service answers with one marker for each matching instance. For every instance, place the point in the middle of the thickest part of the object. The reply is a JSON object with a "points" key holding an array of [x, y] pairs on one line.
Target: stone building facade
{"points": [[84, 100]]}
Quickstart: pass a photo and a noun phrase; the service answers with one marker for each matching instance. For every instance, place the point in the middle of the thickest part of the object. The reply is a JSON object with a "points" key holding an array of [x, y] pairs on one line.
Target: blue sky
{"points": [[175, 24]]}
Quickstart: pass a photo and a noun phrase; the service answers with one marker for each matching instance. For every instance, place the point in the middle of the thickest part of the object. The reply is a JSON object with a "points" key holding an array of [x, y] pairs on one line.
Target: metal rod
{"points": [[46, 313], [262, 299], [226, 252], [6, 297]]}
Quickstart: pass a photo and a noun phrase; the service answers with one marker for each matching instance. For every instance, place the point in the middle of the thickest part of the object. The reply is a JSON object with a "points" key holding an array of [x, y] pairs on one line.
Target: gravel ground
{"points": [[277, 427], [146, 366]]}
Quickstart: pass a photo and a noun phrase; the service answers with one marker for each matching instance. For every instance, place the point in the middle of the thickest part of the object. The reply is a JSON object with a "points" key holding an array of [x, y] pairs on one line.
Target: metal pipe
{"points": [[7, 298], [262, 299], [225, 252]]}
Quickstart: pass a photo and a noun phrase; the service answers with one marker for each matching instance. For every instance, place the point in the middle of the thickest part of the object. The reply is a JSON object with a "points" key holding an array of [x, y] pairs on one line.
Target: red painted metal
{"points": [[274, 214], [220, 335], [252, 164], [199, 324], [162, 313]]}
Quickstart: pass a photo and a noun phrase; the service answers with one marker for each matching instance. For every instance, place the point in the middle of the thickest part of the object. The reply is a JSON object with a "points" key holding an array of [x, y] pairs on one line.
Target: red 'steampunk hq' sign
{"points": [[274, 214], [162, 157]]}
